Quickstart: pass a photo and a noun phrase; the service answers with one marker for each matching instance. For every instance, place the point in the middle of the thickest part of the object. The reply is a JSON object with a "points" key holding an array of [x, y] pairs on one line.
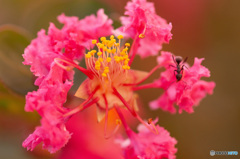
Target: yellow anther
{"points": [[104, 74], [116, 44], [99, 44], [141, 36], [104, 48], [99, 53], [111, 37], [118, 122], [94, 41], [113, 51], [106, 71], [117, 59], [109, 50], [107, 68], [100, 59], [97, 68], [124, 67], [109, 59], [127, 44], [125, 49], [103, 38], [125, 57], [121, 58], [110, 44], [122, 53], [93, 52], [150, 120], [105, 42], [120, 37], [98, 63], [88, 56], [113, 40], [125, 62]]}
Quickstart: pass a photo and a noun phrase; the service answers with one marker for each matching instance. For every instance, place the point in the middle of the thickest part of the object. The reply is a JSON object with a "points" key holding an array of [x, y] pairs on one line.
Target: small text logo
{"points": [[213, 153]]}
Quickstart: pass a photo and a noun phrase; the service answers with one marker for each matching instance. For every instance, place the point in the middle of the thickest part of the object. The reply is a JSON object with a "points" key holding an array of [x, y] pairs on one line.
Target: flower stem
{"points": [[133, 113], [133, 50], [149, 74], [127, 128], [81, 106], [83, 70], [124, 102], [154, 130], [145, 86], [106, 115]]}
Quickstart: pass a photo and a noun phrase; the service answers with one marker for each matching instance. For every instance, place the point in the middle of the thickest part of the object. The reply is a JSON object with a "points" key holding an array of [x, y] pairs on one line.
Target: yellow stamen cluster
{"points": [[110, 59], [90, 54]]}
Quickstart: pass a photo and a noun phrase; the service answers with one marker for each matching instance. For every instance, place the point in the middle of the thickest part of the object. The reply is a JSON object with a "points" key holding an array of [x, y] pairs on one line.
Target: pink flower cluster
{"points": [[141, 19], [186, 93], [147, 145], [54, 82], [110, 83]]}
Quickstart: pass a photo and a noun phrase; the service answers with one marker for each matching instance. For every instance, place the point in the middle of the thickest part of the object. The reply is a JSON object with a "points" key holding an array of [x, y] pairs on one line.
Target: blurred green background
{"points": [[201, 28]]}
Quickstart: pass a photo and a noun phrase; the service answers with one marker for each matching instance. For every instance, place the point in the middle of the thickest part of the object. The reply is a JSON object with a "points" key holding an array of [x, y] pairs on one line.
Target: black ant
{"points": [[179, 66]]}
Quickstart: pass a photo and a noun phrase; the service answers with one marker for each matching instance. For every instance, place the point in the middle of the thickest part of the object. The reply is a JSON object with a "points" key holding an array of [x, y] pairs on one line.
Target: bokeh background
{"points": [[201, 28]]}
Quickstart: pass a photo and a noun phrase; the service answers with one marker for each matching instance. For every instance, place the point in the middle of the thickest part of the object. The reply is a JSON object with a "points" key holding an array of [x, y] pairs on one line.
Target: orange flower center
{"points": [[109, 63]]}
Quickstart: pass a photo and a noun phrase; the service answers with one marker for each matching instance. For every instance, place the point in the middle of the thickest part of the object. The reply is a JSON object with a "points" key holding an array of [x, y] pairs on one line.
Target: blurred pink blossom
{"points": [[87, 139]]}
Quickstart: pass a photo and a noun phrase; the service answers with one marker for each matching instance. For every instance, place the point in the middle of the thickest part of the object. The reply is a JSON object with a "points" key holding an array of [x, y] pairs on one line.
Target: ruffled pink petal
{"points": [[54, 81], [201, 70], [147, 145], [39, 54], [141, 18], [186, 93], [52, 137], [164, 103], [200, 89]]}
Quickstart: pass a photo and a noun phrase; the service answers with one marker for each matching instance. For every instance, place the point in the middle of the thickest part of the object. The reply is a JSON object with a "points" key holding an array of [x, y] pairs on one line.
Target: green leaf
{"points": [[16, 76]]}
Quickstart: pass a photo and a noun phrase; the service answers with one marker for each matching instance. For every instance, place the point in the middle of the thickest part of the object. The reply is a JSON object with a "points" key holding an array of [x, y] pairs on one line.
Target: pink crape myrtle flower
{"points": [[47, 101], [55, 79], [147, 145], [187, 92], [110, 83], [141, 20]]}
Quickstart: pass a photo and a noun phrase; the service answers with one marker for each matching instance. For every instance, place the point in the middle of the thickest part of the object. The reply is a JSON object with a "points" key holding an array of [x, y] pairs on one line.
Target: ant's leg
{"points": [[184, 60], [184, 66], [172, 66], [174, 60], [174, 72]]}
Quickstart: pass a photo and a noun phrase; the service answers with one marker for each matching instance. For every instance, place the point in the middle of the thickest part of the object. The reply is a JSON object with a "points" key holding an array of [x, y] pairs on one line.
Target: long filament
{"points": [[80, 107], [149, 74], [83, 70], [123, 101]]}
